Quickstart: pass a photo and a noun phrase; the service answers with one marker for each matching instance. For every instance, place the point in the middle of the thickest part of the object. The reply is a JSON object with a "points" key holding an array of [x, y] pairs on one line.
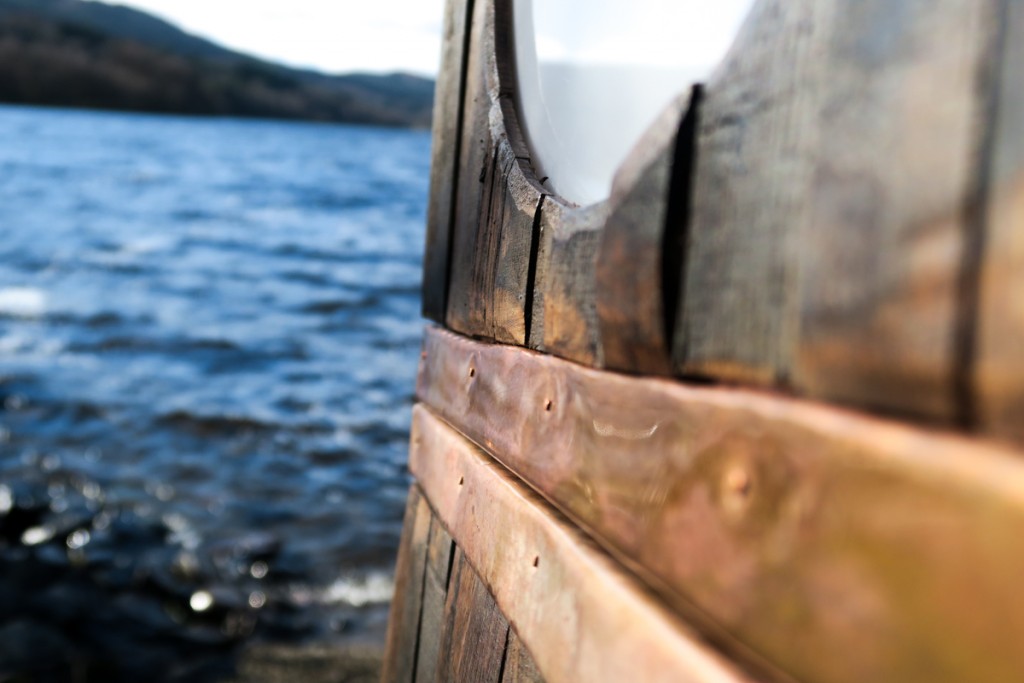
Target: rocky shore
{"points": [[95, 593]]}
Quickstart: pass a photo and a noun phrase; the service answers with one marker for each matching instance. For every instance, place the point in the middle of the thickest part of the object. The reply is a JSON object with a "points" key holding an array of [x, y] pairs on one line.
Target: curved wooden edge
{"points": [[497, 196], [581, 618], [803, 532], [523, 261], [638, 264], [802, 228]]}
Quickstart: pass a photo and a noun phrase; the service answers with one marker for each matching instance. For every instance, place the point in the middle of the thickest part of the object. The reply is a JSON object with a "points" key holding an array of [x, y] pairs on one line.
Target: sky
{"points": [[691, 34], [334, 36], [405, 35]]}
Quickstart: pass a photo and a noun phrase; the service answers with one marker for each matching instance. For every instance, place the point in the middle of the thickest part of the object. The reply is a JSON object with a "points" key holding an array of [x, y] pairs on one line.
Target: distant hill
{"points": [[89, 54]]}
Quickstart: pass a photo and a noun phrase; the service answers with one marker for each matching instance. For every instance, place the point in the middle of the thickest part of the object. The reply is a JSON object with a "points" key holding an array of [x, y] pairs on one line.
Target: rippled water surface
{"points": [[208, 340]]}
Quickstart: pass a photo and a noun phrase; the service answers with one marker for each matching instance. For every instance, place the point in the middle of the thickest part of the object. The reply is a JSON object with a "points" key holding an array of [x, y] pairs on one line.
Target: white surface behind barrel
{"points": [[594, 75]]}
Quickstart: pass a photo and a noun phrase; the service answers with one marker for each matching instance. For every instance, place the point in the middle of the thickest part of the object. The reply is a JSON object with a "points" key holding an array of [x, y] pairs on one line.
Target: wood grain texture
{"points": [[498, 196], [404, 618], [836, 162], [523, 274], [570, 239], [998, 381], [435, 593], [793, 531], [519, 665], [449, 94], [512, 214], [638, 274], [474, 247], [476, 632], [520, 192], [754, 160], [901, 126], [580, 615]]}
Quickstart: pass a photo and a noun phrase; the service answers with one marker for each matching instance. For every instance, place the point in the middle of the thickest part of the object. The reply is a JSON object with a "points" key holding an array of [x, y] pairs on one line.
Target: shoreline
{"points": [[355, 663]]}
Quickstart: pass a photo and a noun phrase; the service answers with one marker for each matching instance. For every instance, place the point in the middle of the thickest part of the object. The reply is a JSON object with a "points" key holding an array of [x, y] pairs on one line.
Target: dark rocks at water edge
{"points": [[88, 54], [90, 592]]}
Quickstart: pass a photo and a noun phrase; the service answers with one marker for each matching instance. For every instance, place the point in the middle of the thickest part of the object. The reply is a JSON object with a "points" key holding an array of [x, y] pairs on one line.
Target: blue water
{"points": [[208, 342]]}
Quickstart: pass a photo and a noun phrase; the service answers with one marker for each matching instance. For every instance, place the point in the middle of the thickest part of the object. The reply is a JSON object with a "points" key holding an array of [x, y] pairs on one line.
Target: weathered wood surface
{"points": [[836, 163], [580, 615], [754, 158], [513, 214], [404, 618], [513, 264], [435, 592], [475, 632], [853, 236], [997, 354], [890, 202], [569, 327], [834, 245], [444, 625], [519, 664], [639, 260], [524, 261], [825, 246], [805, 533], [519, 192], [497, 198], [473, 246], [449, 94]]}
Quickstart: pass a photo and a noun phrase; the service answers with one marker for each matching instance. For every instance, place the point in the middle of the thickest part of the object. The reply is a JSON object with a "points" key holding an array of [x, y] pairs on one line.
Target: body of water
{"points": [[209, 332]]}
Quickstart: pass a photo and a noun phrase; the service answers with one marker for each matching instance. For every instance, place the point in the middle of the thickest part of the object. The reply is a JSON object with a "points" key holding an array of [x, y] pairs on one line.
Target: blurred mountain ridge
{"points": [[79, 53]]}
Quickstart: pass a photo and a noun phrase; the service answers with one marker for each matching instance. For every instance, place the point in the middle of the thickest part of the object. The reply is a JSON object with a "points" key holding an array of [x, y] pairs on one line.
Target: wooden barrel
{"points": [[757, 416]]}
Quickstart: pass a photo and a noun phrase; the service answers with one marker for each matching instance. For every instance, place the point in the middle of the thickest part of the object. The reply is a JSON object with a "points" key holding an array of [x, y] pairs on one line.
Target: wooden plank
{"points": [[754, 159], [449, 94], [580, 615], [470, 277], [998, 361], [836, 157], [800, 531], [570, 236], [512, 305], [889, 204], [638, 263], [404, 619], [498, 196], [475, 633], [435, 593], [519, 665], [513, 216]]}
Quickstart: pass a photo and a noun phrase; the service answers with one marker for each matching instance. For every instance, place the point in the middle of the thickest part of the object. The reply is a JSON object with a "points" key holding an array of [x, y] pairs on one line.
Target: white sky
{"points": [[405, 35], [330, 35], [691, 34]]}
